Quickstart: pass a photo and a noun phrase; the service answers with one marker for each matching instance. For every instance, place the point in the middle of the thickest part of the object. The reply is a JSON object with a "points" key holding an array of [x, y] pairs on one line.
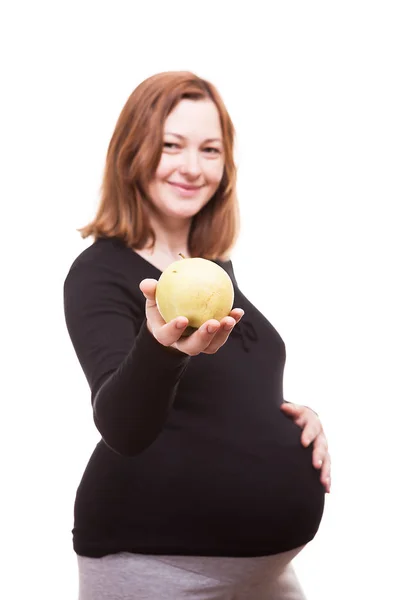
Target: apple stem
{"points": [[180, 254]]}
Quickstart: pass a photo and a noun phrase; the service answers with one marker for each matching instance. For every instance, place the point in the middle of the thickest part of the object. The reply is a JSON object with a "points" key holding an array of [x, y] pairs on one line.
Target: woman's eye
{"points": [[170, 145], [211, 150]]}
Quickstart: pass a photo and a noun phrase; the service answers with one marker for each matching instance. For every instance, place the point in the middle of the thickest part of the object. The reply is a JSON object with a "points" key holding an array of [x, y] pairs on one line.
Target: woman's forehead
{"points": [[193, 118]]}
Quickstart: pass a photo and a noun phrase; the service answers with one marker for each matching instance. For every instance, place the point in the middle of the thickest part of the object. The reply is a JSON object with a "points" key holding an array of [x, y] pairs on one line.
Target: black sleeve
{"points": [[133, 378]]}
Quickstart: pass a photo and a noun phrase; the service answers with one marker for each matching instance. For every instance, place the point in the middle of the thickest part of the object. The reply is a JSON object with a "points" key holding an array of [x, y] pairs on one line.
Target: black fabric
{"points": [[195, 455]]}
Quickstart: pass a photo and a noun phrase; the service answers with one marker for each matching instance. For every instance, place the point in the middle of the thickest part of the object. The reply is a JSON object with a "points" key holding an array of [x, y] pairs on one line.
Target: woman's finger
{"points": [[168, 334], [326, 473], [320, 450], [237, 314], [295, 412], [310, 432], [199, 341], [211, 335], [226, 327], [148, 288], [221, 337]]}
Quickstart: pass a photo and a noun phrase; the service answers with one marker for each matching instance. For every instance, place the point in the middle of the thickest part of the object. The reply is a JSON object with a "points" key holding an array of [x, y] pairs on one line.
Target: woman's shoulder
{"points": [[111, 253], [97, 264], [101, 251], [111, 261]]}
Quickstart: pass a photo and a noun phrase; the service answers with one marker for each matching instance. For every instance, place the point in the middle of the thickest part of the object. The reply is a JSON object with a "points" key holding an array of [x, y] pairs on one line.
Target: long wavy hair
{"points": [[133, 156]]}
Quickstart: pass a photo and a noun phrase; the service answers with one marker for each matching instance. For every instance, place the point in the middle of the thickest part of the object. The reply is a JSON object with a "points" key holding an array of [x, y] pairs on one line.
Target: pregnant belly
{"points": [[208, 495], [265, 496]]}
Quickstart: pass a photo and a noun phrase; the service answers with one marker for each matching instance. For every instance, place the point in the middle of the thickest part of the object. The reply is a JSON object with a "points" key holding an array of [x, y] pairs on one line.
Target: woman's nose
{"points": [[190, 164]]}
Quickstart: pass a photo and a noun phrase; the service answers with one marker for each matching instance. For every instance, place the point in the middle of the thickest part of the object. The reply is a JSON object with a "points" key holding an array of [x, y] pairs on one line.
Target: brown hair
{"points": [[132, 159]]}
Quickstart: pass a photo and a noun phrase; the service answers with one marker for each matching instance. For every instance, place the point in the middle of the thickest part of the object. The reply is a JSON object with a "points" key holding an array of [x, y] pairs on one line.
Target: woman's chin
{"points": [[184, 212]]}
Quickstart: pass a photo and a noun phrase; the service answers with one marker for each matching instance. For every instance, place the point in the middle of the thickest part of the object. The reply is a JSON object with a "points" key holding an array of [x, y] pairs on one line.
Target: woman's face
{"points": [[192, 161]]}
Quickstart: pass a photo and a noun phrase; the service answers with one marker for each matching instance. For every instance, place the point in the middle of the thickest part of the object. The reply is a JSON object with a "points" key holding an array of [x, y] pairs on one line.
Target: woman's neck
{"points": [[171, 238], [161, 258]]}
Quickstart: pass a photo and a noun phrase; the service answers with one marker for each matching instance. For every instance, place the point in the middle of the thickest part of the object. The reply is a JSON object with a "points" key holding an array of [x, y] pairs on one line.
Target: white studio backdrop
{"points": [[313, 89]]}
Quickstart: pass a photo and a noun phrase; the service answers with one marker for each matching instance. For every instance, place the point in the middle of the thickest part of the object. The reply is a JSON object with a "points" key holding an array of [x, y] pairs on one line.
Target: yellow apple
{"points": [[195, 288]]}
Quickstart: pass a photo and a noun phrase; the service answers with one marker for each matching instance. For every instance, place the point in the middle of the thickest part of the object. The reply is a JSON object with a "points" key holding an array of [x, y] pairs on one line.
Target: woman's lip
{"points": [[185, 187]]}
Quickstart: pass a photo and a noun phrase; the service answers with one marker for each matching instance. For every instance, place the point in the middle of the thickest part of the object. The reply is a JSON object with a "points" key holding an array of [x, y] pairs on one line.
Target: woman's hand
{"points": [[208, 338], [313, 431]]}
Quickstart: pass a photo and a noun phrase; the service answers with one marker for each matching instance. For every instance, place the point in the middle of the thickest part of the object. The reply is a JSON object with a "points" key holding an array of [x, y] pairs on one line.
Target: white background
{"points": [[313, 89]]}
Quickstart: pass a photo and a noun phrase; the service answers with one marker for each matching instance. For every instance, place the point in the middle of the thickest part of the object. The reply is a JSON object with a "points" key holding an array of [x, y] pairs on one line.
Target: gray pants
{"points": [[126, 576]]}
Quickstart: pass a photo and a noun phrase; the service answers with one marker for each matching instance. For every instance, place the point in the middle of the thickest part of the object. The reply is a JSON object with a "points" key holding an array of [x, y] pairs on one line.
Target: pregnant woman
{"points": [[200, 486]]}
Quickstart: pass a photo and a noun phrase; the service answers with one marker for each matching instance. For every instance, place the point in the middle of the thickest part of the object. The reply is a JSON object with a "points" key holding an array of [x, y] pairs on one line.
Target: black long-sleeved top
{"points": [[195, 455]]}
